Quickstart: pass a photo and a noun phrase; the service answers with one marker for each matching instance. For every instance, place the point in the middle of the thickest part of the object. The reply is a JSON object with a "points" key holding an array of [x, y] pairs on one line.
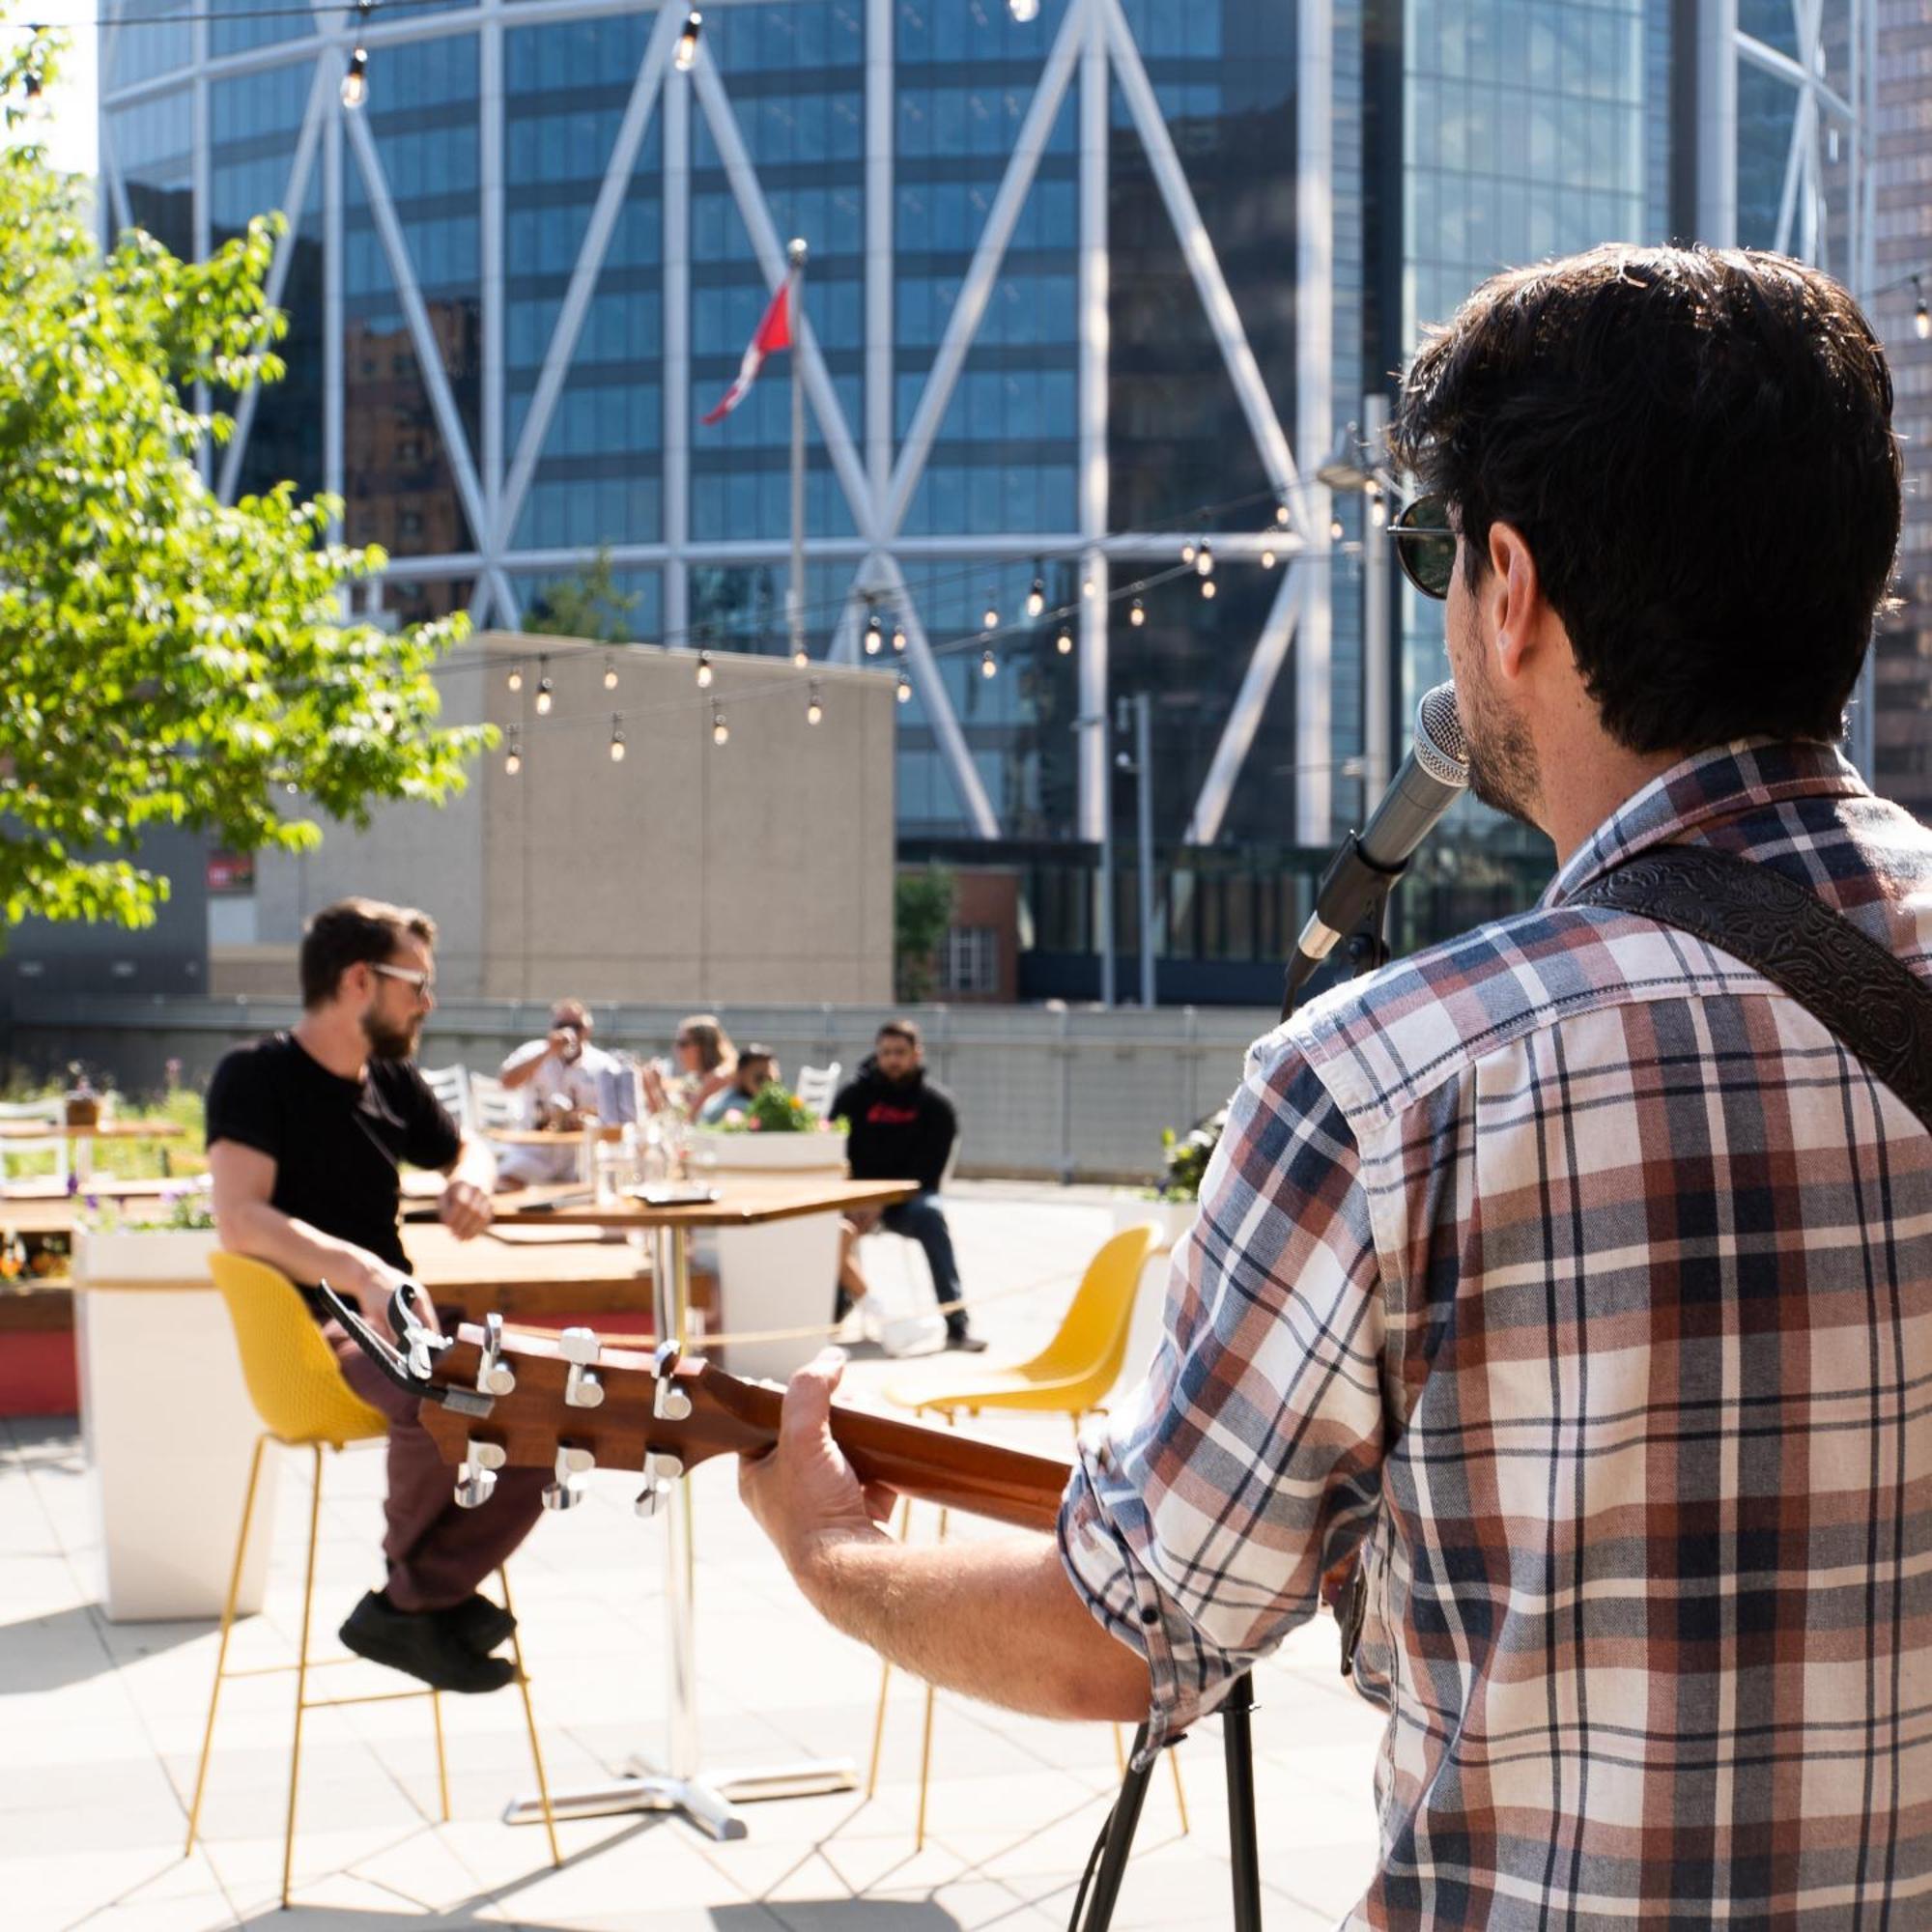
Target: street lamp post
{"points": [[1358, 466]]}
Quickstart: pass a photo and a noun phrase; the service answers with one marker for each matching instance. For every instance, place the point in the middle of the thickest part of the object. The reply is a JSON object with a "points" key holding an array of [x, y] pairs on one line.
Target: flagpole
{"points": [[795, 254]]}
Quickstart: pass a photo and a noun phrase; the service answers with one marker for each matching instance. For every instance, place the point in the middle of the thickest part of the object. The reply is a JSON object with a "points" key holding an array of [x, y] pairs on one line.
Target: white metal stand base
{"points": [[710, 1804]]}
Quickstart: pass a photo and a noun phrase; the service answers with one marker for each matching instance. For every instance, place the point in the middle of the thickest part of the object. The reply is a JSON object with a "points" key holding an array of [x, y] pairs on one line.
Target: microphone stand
{"points": [[1367, 950]]}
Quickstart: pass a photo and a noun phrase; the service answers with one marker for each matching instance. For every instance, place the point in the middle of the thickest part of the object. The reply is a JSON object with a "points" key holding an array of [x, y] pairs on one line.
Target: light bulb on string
{"points": [[898, 637], [1378, 506], [616, 737], [1267, 559], [515, 680], [704, 671], [1921, 316], [1087, 586], [1187, 553], [544, 689], [1036, 598], [876, 634], [685, 55], [1207, 586], [513, 754], [1281, 515], [1064, 644], [721, 732], [610, 672], [990, 620], [904, 692], [1024, 12], [355, 79], [1335, 529], [1136, 613], [814, 708], [1204, 560], [801, 656], [989, 664]]}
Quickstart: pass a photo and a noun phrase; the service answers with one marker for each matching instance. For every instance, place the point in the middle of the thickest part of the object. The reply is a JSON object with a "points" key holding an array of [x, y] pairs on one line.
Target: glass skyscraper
{"points": [[1086, 289]]}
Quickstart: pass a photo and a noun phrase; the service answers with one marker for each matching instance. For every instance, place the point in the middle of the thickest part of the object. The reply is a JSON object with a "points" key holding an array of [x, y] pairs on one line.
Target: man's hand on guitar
{"points": [[803, 1491]]}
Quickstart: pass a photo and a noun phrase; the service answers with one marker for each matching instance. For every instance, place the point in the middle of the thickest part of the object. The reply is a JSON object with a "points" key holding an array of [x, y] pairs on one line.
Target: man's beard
{"points": [[387, 1042], [1503, 769]]}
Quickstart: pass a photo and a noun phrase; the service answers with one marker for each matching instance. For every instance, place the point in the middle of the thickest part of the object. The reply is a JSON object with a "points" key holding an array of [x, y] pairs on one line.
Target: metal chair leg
{"points": [[302, 1670], [442, 1756], [221, 1655], [1180, 1792], [530, 1721]]}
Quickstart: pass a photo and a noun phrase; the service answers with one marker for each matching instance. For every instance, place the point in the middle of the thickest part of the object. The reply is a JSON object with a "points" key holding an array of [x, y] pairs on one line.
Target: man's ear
{"points": [[1514, 592]]}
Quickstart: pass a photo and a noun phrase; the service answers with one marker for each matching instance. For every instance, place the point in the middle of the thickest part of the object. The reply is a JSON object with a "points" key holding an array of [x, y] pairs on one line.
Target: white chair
{"points": [[451, 1087], [54, 1114], [819, 1087], [492, 1108]]}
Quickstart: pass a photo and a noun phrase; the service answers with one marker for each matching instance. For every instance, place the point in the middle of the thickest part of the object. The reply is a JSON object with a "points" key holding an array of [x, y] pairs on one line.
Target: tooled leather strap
{"points": [[1869, 1001]]}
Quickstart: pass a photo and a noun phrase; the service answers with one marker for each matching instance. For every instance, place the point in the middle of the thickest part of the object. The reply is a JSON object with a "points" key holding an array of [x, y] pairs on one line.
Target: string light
{"points": [[904, 692], [610, 672], [721, 732], [1136, 613], [874, 634], [686, 56], [1268, 559], [1204, 561], [799, 657], [513, 754], [1024, 12], [1064, 644], [1207, 586], [616, 737], [515, 680], [704, 673], [1036, 598], [991, 620], [1378, 506], [989, 664], [1335, 529], [1921, 316], [356, 81], [898, 635], [815, 710], [1281, 515], [1187, 553], [545, 690], [1087, 586]]}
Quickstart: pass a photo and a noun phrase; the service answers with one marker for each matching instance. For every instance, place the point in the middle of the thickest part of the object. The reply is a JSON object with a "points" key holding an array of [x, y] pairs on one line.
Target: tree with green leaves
{"points": [[588, 605], [922, 913], [169, 659]]}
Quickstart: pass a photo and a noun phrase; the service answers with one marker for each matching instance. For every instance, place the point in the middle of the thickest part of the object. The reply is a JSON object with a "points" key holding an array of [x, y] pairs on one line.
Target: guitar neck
{"points": [[936, 1465]]}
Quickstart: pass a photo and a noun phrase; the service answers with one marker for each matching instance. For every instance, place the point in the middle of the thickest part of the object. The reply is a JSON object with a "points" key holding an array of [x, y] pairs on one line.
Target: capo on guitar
{"points": [[409, 1367]]}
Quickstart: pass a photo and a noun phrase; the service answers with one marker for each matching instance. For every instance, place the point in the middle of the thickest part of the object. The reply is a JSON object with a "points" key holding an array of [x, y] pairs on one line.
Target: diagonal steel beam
{"points": [[970, 307], [436, 378], [596, 244], [1195, 246], [923, 670], [1244, 714], [293, 198], [770, 251]]}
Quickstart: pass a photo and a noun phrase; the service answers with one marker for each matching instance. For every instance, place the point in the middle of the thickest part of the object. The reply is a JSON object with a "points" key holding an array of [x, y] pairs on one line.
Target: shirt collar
{"points": [[1718, 784]]}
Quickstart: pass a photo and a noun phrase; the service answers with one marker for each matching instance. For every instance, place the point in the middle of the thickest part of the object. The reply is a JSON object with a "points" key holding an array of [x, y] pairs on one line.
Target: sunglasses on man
{"points": [[419, 981], [1425, 546]]}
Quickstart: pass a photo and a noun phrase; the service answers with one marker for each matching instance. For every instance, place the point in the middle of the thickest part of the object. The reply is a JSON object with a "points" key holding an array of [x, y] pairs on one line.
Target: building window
{"points": [[970, 962]]}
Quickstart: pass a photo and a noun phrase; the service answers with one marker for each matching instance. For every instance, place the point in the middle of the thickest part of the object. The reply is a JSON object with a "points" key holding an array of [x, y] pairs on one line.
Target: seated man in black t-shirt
{"points": [[305, 1132]]}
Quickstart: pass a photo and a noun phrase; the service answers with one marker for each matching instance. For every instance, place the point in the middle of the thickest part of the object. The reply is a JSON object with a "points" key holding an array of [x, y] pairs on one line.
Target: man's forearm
{"points": [[997, 1621], [475, 1163], [303, 1253]]}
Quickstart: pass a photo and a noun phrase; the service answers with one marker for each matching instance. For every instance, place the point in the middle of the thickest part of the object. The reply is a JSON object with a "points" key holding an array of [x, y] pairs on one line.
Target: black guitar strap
{"points": [[1872, 1004]]}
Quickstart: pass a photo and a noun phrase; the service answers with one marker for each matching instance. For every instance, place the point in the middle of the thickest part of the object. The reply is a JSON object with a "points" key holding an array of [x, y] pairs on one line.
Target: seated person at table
{"points": [[757, 1066], [705, 1061], [901, 1127], [305, 1132], [566, 1082]]}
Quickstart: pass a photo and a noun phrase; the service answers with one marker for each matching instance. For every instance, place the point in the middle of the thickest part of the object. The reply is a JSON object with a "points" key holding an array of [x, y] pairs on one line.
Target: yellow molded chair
{"points": [[304, 1403], [1069, 1377]]}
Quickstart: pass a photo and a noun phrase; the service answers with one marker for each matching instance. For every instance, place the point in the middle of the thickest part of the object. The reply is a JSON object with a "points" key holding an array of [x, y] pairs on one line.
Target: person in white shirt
{"points": [[566, 1082]]}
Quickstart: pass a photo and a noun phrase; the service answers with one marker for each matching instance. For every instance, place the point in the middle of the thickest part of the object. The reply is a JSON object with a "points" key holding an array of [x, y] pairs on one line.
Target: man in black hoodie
{"points": [[901, 1127]]}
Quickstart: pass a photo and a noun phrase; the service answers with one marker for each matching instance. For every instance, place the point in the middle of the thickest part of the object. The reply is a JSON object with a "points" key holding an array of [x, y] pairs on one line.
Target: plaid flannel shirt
{"points": [[1579, 1284]]}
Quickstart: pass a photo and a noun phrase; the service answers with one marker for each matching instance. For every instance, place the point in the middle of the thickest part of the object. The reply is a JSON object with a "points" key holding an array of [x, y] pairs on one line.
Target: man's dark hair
{"points": [[898, 1029], [354, 932], [1696, 446]]}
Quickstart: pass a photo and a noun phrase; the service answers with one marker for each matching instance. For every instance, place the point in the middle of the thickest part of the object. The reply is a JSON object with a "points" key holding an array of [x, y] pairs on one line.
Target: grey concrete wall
{"points": [[1078, 1095]]}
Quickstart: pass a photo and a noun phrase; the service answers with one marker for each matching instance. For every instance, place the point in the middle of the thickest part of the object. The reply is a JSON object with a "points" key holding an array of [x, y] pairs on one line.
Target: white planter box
{"points": [[168, 1426], [768, 1153]]}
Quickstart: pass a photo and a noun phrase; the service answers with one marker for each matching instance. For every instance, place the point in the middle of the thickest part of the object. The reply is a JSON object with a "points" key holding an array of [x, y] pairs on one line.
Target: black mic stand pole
{"points": [[1367, 949]]}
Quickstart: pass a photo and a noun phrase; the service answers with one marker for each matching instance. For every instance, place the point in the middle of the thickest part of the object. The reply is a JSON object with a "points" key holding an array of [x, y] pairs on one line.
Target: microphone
{"points": [[1360, 875]]}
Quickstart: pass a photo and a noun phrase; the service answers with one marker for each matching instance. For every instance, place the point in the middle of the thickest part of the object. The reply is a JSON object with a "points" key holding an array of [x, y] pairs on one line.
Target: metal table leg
{"points": [[708, 1802]]}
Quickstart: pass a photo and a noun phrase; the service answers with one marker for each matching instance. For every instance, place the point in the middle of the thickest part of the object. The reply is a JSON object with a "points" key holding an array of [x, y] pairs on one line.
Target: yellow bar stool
{"points": [[304, 1402], [1071, 1376]]}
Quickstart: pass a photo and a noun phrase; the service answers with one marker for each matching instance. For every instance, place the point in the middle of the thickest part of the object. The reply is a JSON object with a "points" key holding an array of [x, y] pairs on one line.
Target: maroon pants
{"points": [[438, 1552]]}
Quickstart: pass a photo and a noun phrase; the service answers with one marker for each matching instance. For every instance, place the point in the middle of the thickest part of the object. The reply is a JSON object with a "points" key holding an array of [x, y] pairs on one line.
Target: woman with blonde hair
{"points": [[706, 1060]]}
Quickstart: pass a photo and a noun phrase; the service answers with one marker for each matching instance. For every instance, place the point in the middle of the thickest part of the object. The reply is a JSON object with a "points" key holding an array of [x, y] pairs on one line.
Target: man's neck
{"points": [[1587, 777], [335, 1041]]}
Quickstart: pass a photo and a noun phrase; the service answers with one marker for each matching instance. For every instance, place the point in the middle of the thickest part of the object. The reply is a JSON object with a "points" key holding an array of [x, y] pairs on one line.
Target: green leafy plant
{"points": [[775, 1109], [171, 660], [183, 1209], [1185, 1158], [921, 912], [588, 605]]}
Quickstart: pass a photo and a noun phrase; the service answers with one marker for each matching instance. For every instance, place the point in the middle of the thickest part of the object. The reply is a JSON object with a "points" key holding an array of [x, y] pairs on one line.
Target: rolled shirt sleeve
{"points": [[1203, 1515]]}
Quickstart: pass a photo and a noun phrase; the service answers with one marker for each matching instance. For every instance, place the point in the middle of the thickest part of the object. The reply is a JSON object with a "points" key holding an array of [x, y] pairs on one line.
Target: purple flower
{"points": [[73, 1184], [92, 1203]]}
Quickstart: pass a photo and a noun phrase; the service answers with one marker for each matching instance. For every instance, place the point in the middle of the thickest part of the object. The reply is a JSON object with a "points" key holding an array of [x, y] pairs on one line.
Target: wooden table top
{"points": [[124, 1129], [743, 1199], [558, 1137]]}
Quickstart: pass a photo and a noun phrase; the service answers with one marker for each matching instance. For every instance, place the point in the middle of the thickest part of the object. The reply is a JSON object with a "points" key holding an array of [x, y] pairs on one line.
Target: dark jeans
{"points": [[438, 1552], [923, 1219]]}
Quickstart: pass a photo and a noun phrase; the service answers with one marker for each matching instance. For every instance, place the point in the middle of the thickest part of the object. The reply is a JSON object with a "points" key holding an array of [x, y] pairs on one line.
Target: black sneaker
{"points": [[479, 1622], [422, 1645], [967, 1345]]}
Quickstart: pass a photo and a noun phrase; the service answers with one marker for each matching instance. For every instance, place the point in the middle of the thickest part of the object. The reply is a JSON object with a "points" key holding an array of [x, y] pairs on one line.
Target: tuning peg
{"points": [[492, 1376], [668, 1402], [567, 1490], [661, 1470], [476, 1479], [580, 1349]]}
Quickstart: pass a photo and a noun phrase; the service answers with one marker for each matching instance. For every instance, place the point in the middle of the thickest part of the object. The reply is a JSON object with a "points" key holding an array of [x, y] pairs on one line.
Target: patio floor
{"points": [[99, 1726]]}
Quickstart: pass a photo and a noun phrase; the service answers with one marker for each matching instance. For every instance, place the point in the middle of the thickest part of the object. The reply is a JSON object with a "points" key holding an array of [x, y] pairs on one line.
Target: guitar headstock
{"points": [[493, 1399]]}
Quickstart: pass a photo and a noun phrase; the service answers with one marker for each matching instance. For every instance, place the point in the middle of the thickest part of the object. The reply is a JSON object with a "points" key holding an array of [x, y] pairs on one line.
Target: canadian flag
{"points": [[774, 333]]}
